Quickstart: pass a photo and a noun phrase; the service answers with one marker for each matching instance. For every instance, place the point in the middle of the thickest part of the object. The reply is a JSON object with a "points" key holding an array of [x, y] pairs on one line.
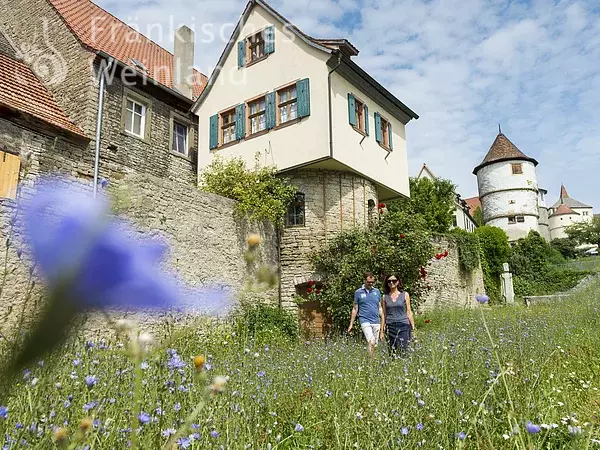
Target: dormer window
{"points": [[256, 47]]}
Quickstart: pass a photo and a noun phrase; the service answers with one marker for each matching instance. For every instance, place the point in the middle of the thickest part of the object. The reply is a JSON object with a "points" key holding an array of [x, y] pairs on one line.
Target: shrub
{"points": [[396, 244], [566, 247], [258, 192], [494, 251], [266, 323]]}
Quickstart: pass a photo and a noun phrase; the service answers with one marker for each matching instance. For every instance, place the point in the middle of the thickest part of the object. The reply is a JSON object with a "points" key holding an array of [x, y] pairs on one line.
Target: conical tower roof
{"points": [[503, 150], [562, 210], [570, 202]]}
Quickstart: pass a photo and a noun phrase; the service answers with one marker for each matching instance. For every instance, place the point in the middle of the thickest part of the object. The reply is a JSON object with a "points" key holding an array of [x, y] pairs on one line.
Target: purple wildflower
{"points": [[261, 374], [3, 412], [532, 428], [214, 434], [298, 428], [420, 402], [458, 392], [420, 426], [462, 436], [184, 442], [482, 298], [168, 432], [103, 182], [88, 406], [90, 381], [404, 431], [144, 418]]}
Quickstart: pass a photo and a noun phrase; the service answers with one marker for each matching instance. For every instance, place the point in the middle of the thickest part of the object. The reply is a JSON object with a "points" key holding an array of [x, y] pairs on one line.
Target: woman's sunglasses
{"points": [[392, 281]]}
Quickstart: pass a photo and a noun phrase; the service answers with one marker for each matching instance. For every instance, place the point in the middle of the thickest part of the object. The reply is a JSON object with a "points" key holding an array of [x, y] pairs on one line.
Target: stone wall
{"points": [[207, 241], [335, 201], [451, 285]]}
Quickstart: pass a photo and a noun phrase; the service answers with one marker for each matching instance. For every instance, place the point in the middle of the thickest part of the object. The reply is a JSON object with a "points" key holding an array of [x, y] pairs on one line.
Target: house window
{"points": [[135, 118], [257, 116], [180, 138], [256, 47], [228, 126], [512, 219], [517, 169], [295, 216], [287, 104], [359, 112], [520, 219], [385, 128], [454, 221]]}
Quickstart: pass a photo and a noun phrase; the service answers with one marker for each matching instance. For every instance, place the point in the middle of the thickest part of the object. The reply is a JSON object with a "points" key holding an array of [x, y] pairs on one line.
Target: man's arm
{"points": [[353, 316]]}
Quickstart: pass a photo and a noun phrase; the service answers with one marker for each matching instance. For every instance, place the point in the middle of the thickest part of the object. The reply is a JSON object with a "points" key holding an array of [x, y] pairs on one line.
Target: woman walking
{"points": [[397, 320]]}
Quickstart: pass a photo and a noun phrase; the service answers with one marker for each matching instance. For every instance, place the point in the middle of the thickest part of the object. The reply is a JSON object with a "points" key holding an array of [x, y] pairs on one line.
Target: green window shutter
{"points": [[270, 110], [242, 53], [390, 135], [366, 112], [351, 110], [214, 131], [240, 121], [378, 133], [303, 93], [269, 37]]}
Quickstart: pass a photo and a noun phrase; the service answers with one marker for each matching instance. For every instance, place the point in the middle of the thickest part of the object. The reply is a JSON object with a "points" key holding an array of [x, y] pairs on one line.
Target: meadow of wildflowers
{"points": [[532, 382]]}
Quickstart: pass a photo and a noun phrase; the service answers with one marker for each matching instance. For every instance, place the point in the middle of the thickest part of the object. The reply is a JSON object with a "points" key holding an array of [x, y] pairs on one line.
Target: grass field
{"points": [[504, 377]]}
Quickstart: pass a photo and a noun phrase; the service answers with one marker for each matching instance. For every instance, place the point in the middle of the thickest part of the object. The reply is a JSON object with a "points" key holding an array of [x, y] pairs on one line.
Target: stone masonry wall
{"points": [[451, 285], [207, 241], [335, 201]]}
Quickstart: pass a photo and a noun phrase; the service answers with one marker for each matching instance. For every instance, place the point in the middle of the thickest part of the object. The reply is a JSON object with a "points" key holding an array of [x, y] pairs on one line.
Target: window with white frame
{"points": [[287, 104], [135, 118], [257, 115], [228, 126], [180, 138]]}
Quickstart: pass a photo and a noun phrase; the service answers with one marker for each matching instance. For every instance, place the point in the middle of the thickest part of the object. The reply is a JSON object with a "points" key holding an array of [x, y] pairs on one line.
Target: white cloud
{"points": [[463, 65]]}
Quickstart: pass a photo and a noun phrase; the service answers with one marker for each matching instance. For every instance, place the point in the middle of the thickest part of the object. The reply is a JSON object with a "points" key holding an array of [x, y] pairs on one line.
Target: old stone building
{"points": [[567, 211], [139, 121]]}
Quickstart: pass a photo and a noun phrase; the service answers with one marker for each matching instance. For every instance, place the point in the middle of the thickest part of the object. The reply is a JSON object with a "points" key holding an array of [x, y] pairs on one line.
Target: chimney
{"points": [[183, 78]]}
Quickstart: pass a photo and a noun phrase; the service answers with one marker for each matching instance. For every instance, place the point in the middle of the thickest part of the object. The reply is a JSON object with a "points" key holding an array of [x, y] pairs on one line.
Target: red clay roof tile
{"points": [[23, 91], [503, 150], [473, 203], [99, 30]]}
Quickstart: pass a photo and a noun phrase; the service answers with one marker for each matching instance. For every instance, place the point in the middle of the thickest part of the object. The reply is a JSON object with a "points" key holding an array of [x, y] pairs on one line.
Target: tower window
{"points": [[512, 219], [517, 169], [520, 219], [371, 211]]}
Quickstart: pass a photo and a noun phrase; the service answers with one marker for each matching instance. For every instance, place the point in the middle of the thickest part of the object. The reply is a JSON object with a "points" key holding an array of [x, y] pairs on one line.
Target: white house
{"points": [[567, 211], [508, 189], [462, 216], [303, 105]]}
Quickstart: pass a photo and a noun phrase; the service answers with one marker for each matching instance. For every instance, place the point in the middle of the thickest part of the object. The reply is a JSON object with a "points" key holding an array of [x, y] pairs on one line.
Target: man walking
{"points": [[367, 305]]}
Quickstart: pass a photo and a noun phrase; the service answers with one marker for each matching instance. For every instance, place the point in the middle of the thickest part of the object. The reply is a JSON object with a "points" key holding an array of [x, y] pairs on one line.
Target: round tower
{"points": [[508, 189]]}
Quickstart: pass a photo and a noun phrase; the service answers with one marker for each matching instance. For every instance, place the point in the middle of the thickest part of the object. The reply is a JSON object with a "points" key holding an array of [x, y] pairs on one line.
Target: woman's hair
{"points": [[386, 286]]}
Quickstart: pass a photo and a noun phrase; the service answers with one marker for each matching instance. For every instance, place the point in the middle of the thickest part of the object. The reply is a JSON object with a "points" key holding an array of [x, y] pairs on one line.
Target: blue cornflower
{"points": [[177, 406], [90, 405], [89, 345], [90, 381], [532, 428], [214, 434], [458, 392], [462, 436], [261, 374], [76, 362], [298, 428], [3, 412], [184, 442], [404, 431], [144, 365], [168, 432], [420, 426], [175, 362], [482, 298], [144, 418], [26, 374], [103, 182], [420, 402]]}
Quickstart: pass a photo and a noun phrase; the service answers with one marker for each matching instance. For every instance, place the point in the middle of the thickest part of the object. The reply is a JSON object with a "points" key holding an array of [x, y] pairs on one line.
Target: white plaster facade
{"points": [[509, 201], [558, 222], [304, 142]]}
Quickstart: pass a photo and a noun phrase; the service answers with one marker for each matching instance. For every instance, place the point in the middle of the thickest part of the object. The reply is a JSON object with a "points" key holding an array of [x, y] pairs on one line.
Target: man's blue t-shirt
{"points": [[368, 304]]}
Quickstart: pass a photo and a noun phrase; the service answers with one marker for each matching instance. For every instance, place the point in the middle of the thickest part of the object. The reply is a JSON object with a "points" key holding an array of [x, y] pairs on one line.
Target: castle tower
{"points": [[508, 189], [565, 212]]}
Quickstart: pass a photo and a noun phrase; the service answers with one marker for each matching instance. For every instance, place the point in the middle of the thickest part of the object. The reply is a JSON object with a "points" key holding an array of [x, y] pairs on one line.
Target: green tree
{"points": [[493, 244], [566, 247], [258, 192], [397, 243], [478, 216], [585, 232], [432, 199]]}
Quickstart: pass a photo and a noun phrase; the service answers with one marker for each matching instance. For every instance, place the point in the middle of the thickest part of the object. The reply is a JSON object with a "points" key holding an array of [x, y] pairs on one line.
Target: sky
{"points": [[464, 66]]}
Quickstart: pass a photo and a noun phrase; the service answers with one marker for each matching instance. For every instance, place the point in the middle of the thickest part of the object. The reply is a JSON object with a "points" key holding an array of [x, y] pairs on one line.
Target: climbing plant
{"points": [[259, 192], [468, 248]]}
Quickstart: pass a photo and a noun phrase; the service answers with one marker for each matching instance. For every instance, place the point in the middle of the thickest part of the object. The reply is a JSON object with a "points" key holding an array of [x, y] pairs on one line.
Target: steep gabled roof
{"points": [[329, 46], [22, 91], [473, 203], [427, 171], [119, 40], [563, 209], [503, 150], [566, 200]]}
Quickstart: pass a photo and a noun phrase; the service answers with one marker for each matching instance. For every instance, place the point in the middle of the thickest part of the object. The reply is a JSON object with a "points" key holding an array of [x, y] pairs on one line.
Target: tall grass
{"points": [[537, 369]]}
